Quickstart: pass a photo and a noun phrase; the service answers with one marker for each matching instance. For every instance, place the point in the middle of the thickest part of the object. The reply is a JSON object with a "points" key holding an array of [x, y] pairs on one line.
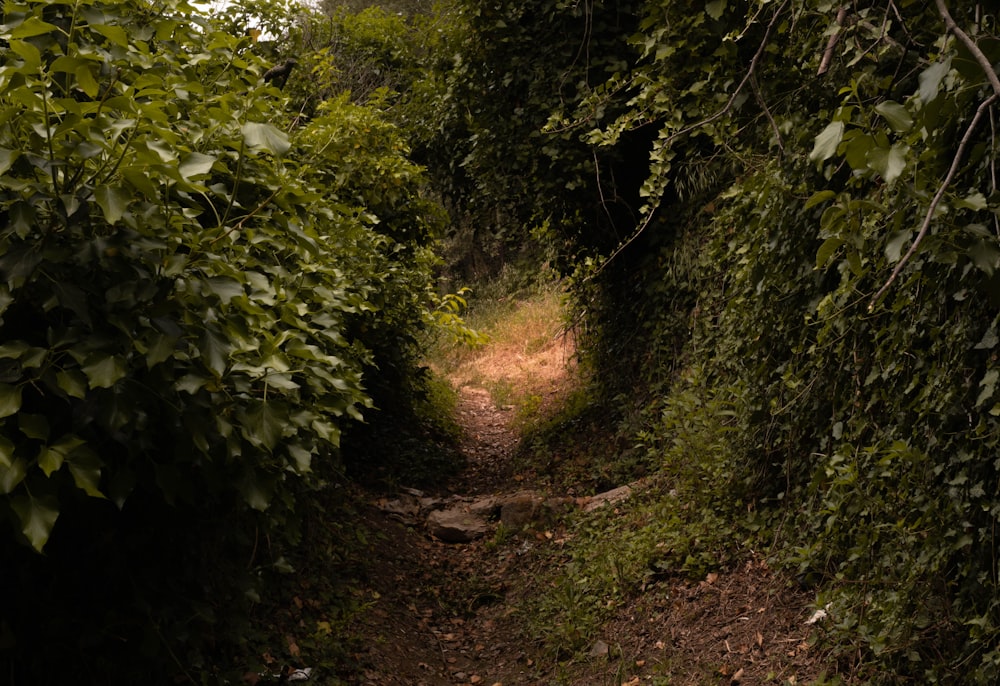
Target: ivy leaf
{"points": [[256, 491], [51, 458], [224, 287], [85, 467], [6, 453], [214, 351], [894, 246], [72, 382], [103, 371], [263, 425], [302, 457], [12, 475], [827, 141], [930, 80], [897, 115], [112, 201], [715, 8], [38, 516], [10, 399], [7, 158], [258, 137], [889, 163], [196, 164]]}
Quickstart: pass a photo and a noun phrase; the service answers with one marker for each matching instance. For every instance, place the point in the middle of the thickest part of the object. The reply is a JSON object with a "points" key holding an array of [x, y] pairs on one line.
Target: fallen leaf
{"points": [[640, 663], [475, 678], [712, 577], [293, 647], [760, 640], [738, 676]]}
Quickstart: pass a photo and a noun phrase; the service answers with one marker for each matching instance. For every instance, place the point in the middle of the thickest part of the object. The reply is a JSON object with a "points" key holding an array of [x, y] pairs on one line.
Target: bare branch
{"points": [[925, 227], [824, 64], [981, 58], [991, 75]]}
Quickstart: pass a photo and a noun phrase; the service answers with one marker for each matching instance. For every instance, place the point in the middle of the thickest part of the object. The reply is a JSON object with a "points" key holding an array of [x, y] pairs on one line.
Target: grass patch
{"points": [[524, 363]]}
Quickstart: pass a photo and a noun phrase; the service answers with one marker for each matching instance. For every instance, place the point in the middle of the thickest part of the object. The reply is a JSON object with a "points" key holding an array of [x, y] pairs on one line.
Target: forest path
{"points": [[460, 614], [442, 613]]}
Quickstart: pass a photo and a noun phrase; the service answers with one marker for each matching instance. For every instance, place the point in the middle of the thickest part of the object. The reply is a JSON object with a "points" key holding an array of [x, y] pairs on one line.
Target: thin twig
{"points": [[704, 122], [925, 227], [991, 76], [983, 60]]}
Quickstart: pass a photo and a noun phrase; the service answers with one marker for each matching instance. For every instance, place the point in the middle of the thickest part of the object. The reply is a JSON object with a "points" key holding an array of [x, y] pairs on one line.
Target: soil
{"points": [[443, 613]]}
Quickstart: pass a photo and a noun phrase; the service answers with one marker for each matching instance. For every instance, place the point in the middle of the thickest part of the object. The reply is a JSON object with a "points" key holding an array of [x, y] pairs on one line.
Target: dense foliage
{"points": [[801, 157], [196, 286]]}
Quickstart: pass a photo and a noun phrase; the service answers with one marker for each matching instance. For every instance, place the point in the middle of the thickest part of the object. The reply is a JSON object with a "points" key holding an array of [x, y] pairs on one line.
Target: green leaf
{"points": [[12, 475], [162, 348], [196, 164], [85, 467], [33, 26], [30, 54], [10, 399], [988, 385], [72, 382], [715, 8], [191, 383], [894, 246], [224, 287], [38, 516], [897, 115], [113, 202], [51, 458], [116, 34], [820, 197], [985, 255], [889, 163], [263, 425], [930, 80], [256, 493], [827, 249], [215, 351], [6, 453], [265, 137], [974, 201], [86, 81], [7, 158], [302, 458], [827, 141], [33, 425], [103, 371]]}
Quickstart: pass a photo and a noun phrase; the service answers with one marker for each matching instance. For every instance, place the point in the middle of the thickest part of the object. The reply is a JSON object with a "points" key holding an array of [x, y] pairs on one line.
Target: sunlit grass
{"points": [[528, 351]]}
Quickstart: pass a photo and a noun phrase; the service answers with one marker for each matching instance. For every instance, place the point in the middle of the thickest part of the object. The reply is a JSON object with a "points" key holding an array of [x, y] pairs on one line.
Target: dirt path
{"points": [[437, 613], [453, 613]]}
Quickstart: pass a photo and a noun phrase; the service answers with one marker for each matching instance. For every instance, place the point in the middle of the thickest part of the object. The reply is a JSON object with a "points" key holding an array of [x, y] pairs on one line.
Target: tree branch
{"points": [[991, 76], [824, 63], [926, 225]]}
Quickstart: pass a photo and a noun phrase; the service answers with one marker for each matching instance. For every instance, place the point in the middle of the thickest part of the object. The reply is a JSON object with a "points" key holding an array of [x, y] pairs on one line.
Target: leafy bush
{"points": [[193, 291]]}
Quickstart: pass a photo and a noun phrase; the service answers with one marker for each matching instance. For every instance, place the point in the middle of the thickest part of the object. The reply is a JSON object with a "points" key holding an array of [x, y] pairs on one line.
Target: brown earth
{"points": [[441, 613]]}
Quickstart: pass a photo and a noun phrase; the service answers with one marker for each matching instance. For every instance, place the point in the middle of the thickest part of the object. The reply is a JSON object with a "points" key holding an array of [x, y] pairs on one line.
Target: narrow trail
{"points": [[437, 613]]}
